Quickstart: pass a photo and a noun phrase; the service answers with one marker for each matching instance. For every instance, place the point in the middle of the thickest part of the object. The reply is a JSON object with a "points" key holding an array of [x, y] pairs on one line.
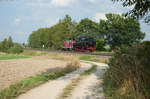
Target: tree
{"points": [[89, 28], [52, 37], [4, 45], [141, 8], [120, 30], [10, 42]]}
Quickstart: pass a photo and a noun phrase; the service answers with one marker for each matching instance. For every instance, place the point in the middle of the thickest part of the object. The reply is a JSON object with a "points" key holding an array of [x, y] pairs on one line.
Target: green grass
{"points": [[23, 86], [69, 88], [89, 71], [94, 59], [7, 57], [88, 58], [103, 52]]}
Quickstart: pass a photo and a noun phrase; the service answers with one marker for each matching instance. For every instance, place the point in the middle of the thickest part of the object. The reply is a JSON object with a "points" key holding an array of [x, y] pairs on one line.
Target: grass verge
{"points": [[23, 86], [95, 59], [103, 52], [7, 57], [69, 88]]}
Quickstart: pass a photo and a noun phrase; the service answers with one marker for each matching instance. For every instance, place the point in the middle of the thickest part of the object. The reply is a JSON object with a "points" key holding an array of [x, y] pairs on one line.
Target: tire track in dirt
{"points": [[91, 86], [51, 89]]}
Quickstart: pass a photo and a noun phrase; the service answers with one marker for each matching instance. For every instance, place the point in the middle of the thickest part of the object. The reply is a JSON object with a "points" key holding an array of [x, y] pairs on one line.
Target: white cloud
{"points": [[62, 3], [92, 1], [102, 16], [17, 21], [39, 3], [99, 16], [49, 3]]}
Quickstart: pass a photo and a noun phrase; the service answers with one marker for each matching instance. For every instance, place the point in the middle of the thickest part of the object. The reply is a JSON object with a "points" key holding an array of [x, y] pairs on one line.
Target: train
{"points": [[83, 44]]}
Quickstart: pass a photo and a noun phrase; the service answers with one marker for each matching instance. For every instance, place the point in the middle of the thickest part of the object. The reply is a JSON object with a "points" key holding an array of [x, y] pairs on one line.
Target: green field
{"points": [[7, 57]]}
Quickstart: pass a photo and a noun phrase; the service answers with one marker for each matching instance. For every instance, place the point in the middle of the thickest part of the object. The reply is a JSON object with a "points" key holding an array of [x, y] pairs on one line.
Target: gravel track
{"points": [[91, 86], [52, 89]]}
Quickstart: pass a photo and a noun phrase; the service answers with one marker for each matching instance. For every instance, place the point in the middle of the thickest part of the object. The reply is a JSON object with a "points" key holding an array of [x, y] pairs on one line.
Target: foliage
{"points": [[115, 31], [128, 74], [4, 46], [54, 36], [119, 30], [140, 9], [100, 44], [89, 28], [15, 49], [9, 47], [10, 42]]}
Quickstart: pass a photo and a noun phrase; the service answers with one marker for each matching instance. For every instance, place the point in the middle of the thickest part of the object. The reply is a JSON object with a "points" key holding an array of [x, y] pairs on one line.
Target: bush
{"points": [[73, 64], [128, 73], [100, 45], [15, 49]]}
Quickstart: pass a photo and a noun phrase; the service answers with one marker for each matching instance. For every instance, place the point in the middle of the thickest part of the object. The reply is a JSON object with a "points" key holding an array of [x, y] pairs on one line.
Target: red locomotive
{"points": [[68, 45], [81, 44]]}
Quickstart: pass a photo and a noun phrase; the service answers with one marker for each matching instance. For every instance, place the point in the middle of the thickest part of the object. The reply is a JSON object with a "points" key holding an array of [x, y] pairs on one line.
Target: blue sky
{"points": [[20, 17]]}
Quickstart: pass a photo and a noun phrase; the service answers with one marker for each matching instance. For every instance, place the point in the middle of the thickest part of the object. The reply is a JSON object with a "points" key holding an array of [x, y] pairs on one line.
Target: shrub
{"points": [[15, 49], [73, 64], [128, 73], [100, 45]]}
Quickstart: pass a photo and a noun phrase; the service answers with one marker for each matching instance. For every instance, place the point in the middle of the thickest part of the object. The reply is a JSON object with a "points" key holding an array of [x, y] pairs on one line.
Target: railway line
{"points": [[99, 55]]}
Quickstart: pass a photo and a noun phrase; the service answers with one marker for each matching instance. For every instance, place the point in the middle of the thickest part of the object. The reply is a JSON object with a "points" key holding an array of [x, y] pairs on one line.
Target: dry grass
{"points": [[74, 63], [1, 53], [95, 59], [52, 55]]}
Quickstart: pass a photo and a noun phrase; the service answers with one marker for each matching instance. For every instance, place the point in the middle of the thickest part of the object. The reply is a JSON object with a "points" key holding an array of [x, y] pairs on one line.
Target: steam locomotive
{"points": [[83, 44]]}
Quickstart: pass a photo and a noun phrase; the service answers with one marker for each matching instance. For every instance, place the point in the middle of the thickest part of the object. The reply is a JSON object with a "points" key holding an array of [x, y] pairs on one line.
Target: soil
{"points": [[15, 70]]}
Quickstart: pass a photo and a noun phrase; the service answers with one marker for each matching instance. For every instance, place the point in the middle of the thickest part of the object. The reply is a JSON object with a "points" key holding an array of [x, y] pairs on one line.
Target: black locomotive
{"points": [[83, 43]]}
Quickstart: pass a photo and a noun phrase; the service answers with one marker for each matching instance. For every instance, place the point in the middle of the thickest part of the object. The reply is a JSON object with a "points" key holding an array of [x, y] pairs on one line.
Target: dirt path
{"points": [[91, 86], [51, 89]]}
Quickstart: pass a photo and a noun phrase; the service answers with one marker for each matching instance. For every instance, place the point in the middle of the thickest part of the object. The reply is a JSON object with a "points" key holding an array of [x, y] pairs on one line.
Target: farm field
{"points": [[12, 71]]}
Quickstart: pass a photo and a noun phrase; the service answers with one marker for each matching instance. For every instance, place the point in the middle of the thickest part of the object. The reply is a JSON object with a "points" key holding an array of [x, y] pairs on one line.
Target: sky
{"points": [[19, 18]]}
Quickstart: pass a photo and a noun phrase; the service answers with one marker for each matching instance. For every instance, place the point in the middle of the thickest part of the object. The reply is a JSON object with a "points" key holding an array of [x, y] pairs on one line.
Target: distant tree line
{"points": [[116, 31], [8, 46]]}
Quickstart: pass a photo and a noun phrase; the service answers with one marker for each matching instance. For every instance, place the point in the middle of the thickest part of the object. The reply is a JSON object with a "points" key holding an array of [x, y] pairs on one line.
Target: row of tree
{"points": [[8, 46], [116, 31]]}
